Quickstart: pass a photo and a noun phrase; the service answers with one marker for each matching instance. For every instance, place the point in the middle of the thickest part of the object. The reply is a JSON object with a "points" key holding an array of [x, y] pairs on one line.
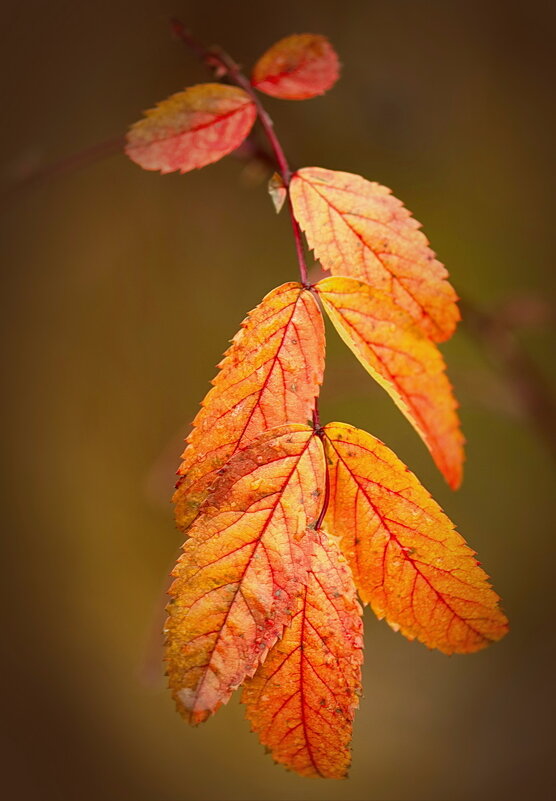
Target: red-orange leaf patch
{"points": [[297, 67], [246, 561], [358, 229], [404, 361], [192, 128], [302, 700], [407, 560], [269, 376]]}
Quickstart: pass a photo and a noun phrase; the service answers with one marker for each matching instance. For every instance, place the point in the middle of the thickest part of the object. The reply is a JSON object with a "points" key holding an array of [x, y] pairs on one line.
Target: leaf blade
{"points": [[242, 568], [312, 677], [191, 129], [297, 67], [357, 228], [408, 561], [403, 361], [268, 377]]}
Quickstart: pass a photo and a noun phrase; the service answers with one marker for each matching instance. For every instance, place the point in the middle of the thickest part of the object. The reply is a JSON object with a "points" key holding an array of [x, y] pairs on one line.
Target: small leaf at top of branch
{"points": [[297, 68]]}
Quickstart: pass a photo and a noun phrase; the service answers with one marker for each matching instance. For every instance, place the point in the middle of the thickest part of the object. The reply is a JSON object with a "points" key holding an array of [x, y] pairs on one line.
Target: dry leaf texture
{"points": [[246, 561], [302, 700], [269, 376], [192, 128], [407, 560], [358, 229], [403, 360]]}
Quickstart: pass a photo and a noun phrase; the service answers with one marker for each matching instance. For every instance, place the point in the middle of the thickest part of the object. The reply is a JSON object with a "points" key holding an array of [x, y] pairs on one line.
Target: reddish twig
{"points": [[222, 64], [67, 164], [320, 434]]}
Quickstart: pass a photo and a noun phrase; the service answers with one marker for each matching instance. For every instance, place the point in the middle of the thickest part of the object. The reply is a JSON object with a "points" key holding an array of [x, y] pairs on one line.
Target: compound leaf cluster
{"points": [[287, 519]]}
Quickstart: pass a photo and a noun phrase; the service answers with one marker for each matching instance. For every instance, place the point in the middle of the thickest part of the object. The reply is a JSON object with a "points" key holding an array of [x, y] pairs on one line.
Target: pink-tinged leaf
{"points": [[297, 67], [192, 128]]}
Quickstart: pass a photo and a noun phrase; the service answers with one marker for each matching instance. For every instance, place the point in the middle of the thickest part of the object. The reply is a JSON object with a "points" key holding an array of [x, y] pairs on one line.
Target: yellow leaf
{"points": [[297, 67], [358, 229], [403, 360]]}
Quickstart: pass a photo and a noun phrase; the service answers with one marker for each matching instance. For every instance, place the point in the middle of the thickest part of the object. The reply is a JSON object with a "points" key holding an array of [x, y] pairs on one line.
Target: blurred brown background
{"points": [[121, 289]]}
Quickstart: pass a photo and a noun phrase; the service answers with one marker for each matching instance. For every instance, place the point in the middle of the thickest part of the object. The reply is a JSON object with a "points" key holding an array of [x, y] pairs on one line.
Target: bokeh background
{"points": [[121, 289]]}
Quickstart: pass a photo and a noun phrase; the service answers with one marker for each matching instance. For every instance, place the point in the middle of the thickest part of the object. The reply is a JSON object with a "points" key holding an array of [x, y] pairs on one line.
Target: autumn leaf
{"points": [[302, 700], [286, 519], [297, 67], [192, 128], [269, 376], [358, 229], [396, 353], [246, 561], [407, 560]]}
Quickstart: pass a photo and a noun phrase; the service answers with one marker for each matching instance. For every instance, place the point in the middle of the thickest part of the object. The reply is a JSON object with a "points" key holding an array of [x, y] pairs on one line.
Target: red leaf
{"points": [[192, 128], [297, 67]]}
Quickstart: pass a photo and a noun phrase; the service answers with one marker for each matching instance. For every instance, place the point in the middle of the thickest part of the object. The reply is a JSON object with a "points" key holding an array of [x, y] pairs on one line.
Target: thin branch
{"points": [[326, 499], [222, 64], [37, 176]]}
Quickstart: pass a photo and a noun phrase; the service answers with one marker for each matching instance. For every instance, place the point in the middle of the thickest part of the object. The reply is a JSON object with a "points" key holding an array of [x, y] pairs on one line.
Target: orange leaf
{"points": [[358, 229], [242, 568], [192, 128], [408, 561], [302, 700], [403, 360], [297, 67], [270, 376]]}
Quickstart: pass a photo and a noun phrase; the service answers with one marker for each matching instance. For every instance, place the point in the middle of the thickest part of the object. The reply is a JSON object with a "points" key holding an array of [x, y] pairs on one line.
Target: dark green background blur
{"points": [[121, 289]]}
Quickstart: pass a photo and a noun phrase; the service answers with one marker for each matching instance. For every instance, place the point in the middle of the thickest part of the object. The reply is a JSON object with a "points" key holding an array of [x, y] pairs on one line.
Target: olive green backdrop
{"points": [[121, 289]]}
